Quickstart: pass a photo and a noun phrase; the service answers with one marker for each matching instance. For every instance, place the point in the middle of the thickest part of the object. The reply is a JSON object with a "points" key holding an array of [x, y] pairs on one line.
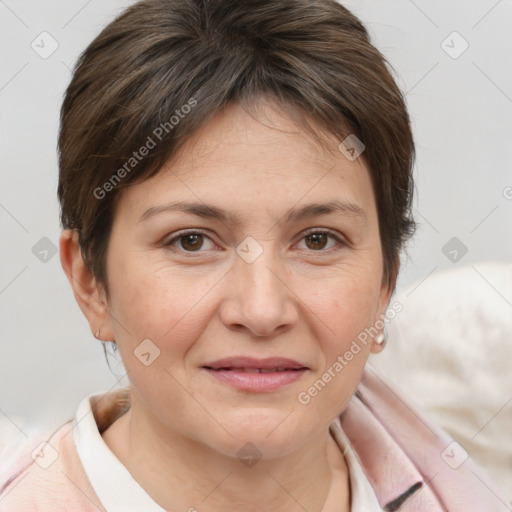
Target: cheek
{"points": [[168, 311], [345, 304], [342, 312], [350, 345], [168, 308]]}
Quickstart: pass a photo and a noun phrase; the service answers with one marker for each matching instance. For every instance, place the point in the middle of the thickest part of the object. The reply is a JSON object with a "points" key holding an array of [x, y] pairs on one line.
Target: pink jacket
{"points": [[411, 464]]}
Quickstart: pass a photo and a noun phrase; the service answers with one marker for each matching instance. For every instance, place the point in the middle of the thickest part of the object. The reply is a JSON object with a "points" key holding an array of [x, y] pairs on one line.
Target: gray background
{"points": [[462, 112]]}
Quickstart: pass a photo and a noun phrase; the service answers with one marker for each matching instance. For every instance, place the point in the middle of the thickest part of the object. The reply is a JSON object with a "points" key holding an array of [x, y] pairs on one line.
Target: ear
{"points": [[89, 295], [386, 291]]}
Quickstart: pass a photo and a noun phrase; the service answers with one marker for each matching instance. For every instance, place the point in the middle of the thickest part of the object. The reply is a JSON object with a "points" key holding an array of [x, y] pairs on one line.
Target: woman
{"points": [[235, 187]]}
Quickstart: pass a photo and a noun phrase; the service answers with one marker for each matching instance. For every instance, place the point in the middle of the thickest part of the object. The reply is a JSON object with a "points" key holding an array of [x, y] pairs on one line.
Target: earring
{"points": [[382, 338]]}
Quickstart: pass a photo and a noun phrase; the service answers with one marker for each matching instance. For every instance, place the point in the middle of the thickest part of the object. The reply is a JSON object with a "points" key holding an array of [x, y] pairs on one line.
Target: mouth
{"points": [[253, 365], [256, 375], [254, 370]]}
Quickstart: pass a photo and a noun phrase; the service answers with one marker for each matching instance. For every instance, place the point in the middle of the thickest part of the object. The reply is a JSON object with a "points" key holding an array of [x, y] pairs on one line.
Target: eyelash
{"points": [[308, 232]]}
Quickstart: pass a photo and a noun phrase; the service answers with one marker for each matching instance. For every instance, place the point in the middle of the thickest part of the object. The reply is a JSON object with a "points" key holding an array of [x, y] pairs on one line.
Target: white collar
{"points": [[362, 494], [115, 487]]}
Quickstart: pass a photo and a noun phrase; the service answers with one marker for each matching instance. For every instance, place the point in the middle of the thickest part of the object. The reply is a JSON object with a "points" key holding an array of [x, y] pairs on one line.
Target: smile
{"points": [[255, 380], [255, 370]]}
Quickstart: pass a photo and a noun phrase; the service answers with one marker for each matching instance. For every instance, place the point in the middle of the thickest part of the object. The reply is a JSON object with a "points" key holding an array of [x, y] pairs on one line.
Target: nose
{"points": [[259, 296]]}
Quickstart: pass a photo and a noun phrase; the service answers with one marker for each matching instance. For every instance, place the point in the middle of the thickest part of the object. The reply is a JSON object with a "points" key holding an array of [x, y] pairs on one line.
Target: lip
{"points": [[242, 372], [252, 362]]}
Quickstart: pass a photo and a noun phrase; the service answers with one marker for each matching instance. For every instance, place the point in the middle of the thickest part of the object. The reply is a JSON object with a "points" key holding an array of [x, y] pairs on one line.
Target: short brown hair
{"points": [[160, 56]]}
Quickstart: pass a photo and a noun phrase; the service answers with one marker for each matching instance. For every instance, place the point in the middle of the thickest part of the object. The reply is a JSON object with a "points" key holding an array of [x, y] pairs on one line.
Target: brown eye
{"points": [[316, 241], [191, 242], [319, 240]]}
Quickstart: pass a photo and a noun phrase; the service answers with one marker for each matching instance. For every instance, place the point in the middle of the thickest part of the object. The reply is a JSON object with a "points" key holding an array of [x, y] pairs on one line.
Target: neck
{"points": [[180, 473]]}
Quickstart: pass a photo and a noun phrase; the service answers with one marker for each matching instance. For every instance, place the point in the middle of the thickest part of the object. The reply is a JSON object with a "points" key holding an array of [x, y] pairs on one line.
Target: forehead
{"points": [[245, 161], [266, 130]]}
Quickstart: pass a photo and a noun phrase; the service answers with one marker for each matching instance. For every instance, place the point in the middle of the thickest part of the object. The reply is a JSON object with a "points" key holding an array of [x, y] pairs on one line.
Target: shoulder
{"points": [[44, 473]]}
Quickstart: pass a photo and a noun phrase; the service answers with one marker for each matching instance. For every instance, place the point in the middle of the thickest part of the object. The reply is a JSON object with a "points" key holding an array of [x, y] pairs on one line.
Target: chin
{"points": [[261, 433]]}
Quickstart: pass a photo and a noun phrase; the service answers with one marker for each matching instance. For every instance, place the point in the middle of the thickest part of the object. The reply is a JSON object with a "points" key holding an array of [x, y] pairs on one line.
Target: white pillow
{"points": [[450, 351]]}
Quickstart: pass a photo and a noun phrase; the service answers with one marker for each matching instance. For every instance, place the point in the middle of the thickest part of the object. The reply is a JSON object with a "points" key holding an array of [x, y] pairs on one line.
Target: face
{"points": [[246, 278]]}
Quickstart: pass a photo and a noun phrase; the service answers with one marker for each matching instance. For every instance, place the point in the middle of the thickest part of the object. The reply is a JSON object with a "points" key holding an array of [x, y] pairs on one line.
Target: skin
{"points": [[302, 299]]}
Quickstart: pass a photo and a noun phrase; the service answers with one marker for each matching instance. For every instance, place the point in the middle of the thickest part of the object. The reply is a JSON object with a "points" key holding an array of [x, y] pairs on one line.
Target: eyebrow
{"points": [[293, 215]]}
